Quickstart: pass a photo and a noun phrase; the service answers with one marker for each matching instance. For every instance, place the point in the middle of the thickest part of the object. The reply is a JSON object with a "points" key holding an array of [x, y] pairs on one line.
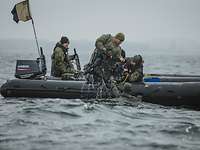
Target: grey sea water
{"points": [[51, 124]]}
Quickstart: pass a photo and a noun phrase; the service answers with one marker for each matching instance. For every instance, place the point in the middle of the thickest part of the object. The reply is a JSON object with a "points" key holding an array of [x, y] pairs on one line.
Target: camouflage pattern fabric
{"points": [[104, 57], [136, 76], [61, 64], [103, 61], [105, 45]]}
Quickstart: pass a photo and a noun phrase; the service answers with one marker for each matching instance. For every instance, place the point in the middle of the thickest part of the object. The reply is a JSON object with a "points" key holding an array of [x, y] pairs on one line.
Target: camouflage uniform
{"points": [[134, 68], [105, 56], [104, 59], [105, 45], [61, 63], [133, 73]]}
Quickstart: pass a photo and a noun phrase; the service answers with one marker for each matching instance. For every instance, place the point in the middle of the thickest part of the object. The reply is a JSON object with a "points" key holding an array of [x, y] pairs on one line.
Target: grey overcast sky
{"points": [[140, 20]]}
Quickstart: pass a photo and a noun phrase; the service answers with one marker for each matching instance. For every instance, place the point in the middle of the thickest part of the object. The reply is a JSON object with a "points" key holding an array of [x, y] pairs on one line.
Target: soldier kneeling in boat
{"points": [[133, 73], [133, 69], [61, 61]]}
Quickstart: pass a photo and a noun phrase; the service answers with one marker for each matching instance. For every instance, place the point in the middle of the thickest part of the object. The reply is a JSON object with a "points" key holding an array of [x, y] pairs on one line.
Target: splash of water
{"points": [[89, 85]]}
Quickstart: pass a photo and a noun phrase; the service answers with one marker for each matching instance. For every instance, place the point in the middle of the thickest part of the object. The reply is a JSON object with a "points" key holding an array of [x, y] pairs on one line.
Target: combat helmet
{"points": [[120, 36]]}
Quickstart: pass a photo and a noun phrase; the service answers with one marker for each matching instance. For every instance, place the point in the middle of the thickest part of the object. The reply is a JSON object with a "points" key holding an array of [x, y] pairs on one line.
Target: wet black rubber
{"points": [[164, 93]]}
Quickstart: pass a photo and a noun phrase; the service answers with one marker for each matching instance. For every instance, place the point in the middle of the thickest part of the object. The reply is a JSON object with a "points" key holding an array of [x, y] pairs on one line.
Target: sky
{"points": [[140, 20]]}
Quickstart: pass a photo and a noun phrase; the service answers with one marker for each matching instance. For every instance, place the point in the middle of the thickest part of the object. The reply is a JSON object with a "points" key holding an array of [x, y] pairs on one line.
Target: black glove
{"points": [[72, 57]]}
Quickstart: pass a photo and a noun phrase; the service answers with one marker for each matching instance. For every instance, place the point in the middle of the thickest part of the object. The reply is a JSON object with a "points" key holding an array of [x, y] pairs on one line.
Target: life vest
{"points": [[60, 46], [54, 71]]}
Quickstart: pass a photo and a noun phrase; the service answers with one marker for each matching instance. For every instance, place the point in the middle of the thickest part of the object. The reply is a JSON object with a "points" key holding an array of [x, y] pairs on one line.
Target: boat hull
{"points": [[164, 93]]}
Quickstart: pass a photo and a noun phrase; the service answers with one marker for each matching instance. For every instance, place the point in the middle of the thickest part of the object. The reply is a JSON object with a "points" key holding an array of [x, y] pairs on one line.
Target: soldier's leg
{"points": [[68, 74]]}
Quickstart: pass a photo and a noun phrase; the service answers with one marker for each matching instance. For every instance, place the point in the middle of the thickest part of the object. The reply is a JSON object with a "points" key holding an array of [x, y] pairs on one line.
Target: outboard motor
{"points": [[31, 69]]}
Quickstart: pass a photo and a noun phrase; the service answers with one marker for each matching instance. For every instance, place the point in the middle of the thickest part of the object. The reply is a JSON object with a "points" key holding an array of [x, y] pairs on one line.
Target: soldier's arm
{"points": [[59, 56], [123, 53], [101, 41], [119, 55], [136, 76]]}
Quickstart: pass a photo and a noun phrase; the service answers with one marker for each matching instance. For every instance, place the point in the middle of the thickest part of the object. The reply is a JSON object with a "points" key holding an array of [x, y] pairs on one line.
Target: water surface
{"points": [[49, 124]]}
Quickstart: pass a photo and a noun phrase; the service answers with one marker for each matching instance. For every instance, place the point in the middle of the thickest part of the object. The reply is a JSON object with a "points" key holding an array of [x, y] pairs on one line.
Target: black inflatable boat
{"points": [[165, 93], [171, 90]]}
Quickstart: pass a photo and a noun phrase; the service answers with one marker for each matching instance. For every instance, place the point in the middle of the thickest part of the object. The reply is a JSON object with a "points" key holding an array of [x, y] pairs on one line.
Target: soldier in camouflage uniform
{"points": [[133, 73], [61, 61], [133, 69], [107, 53]]}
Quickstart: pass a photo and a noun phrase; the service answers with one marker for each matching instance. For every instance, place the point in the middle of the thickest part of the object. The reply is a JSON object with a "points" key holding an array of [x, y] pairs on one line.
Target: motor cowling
{"points": [[31, 69], [27, 69]]}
